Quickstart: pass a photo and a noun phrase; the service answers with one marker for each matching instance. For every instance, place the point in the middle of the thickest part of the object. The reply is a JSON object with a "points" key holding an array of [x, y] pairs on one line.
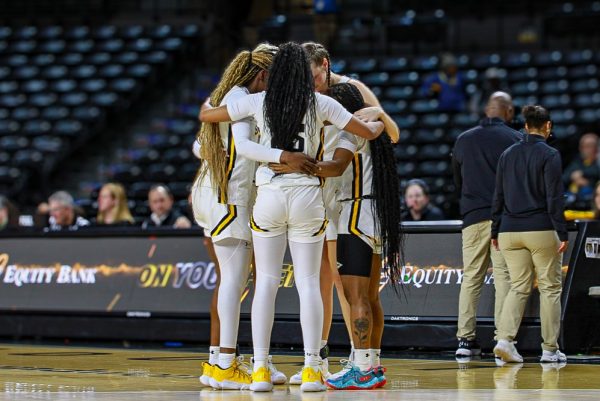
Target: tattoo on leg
{"points": [[361, 329]]}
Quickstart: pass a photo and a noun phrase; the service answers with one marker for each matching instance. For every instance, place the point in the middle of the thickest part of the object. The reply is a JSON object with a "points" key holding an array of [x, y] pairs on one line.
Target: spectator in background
{"points": [[419, 208], [592, 214], [62, 213], [494, 82], [583, 172], [474, 160], [112, 206], [9, 215], [446, 85], [160, 200]]}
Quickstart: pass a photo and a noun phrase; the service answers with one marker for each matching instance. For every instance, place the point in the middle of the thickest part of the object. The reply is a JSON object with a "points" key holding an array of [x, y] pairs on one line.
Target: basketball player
{"points": [[215, 327], [290, 117], [222, 209], [368, 226], [324, 78]]}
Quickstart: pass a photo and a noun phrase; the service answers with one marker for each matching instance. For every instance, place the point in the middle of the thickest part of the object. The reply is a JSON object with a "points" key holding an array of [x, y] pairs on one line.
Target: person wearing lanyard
{"points": [[530, 230]]}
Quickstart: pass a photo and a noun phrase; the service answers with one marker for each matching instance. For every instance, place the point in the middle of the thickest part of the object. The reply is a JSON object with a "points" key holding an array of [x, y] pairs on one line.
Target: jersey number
{"points": [[298, 145]]}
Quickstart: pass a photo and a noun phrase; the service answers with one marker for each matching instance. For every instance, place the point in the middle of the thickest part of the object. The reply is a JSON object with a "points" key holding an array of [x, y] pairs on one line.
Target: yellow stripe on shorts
{"points": [[225, 221], [255, 226], [322, 228]]}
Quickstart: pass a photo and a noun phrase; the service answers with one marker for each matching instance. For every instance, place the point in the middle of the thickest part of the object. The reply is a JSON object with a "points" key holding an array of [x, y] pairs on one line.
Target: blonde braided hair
{"points": [[240, 72]]}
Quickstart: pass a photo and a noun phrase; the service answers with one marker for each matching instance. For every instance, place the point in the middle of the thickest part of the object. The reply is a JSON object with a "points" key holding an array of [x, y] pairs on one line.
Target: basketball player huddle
{"points": [[293, 154]]}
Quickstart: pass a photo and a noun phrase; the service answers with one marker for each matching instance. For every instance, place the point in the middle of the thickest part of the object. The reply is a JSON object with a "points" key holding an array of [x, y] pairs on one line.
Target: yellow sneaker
{"points": [[312, 380], [207, 370], [261, 380], [232, 378]]}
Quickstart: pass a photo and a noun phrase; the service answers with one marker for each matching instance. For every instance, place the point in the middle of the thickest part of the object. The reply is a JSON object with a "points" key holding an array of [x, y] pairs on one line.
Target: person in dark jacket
{"points": [[474, 160], [160, 201], [530, 230]]}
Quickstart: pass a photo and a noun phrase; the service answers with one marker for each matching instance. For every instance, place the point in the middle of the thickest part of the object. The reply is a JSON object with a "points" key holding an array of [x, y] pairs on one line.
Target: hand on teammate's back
{"points": [[298, 162]]}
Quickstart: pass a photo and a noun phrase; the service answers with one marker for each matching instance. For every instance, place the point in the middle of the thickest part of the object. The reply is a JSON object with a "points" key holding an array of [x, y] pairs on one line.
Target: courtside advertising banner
{"points": [[165, 275]]}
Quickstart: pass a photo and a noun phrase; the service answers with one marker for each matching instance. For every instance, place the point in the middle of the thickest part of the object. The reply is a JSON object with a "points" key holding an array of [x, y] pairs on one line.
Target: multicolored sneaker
{"points": [[261, 380], [234, 377], [354, 379], [379, 372], [312, 380], [207, 370]]}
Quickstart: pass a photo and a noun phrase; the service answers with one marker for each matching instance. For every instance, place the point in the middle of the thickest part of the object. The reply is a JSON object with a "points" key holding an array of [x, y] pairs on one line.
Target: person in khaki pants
{"points": [[474, 159], [530, 230]]}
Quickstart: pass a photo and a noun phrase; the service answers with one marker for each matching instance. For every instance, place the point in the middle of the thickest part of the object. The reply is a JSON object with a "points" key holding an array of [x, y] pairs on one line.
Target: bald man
{"points": [[474, 160]]}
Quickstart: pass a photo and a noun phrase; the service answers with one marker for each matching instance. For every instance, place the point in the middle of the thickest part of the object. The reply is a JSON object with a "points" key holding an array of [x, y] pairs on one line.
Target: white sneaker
{"points": [[347, 365], [506, 351], [277, 377], [556, 356], [552, 366], [325, 368], [296, 378]]}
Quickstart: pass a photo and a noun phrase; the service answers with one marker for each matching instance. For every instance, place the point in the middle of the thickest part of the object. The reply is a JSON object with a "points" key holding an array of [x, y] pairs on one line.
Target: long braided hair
{"points": [[240, 72], [317, 53], [386, 205], [290, 97]]}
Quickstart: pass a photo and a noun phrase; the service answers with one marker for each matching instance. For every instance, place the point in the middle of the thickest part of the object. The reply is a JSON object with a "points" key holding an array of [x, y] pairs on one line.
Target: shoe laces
{"points": [[347, 364], [241, 366]]}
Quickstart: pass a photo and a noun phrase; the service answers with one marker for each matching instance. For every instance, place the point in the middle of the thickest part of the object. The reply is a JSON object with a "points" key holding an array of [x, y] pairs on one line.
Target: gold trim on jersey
{"points": [[321, 152], [357, 193], [225, 221], [255, 226], [232, 156]]}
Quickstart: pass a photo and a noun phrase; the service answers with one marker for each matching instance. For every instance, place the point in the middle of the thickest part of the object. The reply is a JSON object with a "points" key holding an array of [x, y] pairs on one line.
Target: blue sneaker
{"points": [[379, 372], [354, 379]]}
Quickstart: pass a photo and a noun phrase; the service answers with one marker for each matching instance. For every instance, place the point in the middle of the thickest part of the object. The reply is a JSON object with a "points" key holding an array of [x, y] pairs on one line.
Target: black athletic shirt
{"points": [[529, 189], [474, 160]]}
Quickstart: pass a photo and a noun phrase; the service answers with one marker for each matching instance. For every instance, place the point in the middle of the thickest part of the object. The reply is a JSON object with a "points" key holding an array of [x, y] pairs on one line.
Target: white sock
{"points": [[213, 354], [362, 359], [226, 360], [323, 343], [261, 358], [375, 357], [351, 356], [312, 359]]}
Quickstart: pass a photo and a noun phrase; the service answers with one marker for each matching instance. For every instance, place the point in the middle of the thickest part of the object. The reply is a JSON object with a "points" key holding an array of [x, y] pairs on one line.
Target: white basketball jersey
{"points": [[240, 170], [310, 141], [357, 179]]}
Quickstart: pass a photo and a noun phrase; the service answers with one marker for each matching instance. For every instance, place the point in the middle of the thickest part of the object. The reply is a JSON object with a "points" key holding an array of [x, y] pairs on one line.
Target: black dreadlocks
{"points": [[386, 205], [290, 97]]}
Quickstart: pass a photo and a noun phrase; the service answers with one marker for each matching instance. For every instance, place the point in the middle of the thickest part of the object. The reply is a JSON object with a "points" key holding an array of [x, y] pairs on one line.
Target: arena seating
{"points": [[566, 82], [59, 85], [163, 155]]}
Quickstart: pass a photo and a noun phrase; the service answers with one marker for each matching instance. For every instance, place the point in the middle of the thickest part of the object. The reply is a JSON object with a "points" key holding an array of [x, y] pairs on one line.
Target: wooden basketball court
{"points": [[75, 373]]}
